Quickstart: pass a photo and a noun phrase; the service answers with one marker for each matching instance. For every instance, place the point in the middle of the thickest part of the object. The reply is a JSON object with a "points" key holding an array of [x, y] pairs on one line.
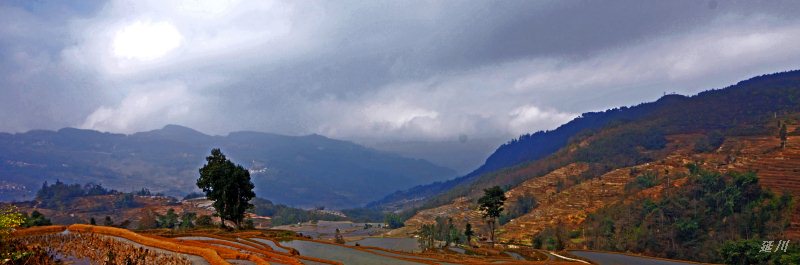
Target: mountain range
{"points": [[304, 171]]}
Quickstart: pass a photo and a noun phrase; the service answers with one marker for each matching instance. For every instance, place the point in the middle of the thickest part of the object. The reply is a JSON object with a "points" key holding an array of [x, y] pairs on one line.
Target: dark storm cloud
{"points": [[35, 90], [375, 69]]}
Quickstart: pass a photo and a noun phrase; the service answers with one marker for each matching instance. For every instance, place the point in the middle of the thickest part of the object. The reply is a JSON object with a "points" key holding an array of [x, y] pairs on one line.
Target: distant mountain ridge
{"points": [[463, 155], [304, 171]]}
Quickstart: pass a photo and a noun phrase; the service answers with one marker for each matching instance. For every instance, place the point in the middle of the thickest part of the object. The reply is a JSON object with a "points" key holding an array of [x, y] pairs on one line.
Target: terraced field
{"points": [[545, 187], [86, 241], [571, 206], [778, 168], [568, 204], [462, 210], [100, 245]]}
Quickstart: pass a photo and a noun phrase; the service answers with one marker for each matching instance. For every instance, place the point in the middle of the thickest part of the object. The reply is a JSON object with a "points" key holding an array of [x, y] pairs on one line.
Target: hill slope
{"points": [[304, 171], [739, 122], [613, 138]]}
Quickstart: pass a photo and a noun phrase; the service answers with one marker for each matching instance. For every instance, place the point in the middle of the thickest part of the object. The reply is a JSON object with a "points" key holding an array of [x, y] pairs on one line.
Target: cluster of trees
{"points": [[394, 220], [107, 221], [443, 230], [623, 146], [709, 142], [172, 220], [35, 219], [146, 192], [709, 219], [125, 200], [554, 238], [519, 207], [642, 181], [284, 215], [491, 206], [58, 195]]}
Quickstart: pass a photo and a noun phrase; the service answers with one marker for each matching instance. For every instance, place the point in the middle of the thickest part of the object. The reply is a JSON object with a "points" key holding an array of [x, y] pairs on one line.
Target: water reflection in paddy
{"points": [[271, 244], [458, 250], [202, 238], [398, 244], [400, 255], [342, 254], [515, 255]]}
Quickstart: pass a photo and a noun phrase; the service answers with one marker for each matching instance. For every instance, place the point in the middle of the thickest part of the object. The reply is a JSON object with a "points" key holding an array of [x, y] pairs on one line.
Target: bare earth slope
{"points": [[778, 170]]}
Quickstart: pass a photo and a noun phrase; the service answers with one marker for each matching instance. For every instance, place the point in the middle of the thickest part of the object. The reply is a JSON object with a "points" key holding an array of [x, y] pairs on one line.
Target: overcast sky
{"points": [[418, 70]]}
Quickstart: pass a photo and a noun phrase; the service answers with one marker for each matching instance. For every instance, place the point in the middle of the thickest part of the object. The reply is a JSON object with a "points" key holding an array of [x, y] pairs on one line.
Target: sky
{"points": [[390, 70]]}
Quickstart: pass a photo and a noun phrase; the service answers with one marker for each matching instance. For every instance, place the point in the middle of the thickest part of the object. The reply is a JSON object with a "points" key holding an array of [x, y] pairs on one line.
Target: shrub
{"points": [[36, 219], [204, 221]]}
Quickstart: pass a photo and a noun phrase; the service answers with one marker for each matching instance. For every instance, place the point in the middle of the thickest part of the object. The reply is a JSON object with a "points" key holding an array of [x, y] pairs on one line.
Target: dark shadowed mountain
{"points": [[297, 170]]}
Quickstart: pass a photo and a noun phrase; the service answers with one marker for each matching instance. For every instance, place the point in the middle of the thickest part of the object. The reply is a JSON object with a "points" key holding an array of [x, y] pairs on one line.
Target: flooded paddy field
{"points": [[398, 244], [341, 254], [327, 229]]}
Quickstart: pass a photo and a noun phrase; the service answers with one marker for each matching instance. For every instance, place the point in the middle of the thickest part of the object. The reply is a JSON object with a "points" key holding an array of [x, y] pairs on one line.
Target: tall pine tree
{"points": [[782, 134], [491, 204], [228, 185]]}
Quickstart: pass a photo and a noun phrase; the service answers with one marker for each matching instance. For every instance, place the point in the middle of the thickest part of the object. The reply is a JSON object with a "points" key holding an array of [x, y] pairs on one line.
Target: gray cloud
{"points": [[376, 69]]}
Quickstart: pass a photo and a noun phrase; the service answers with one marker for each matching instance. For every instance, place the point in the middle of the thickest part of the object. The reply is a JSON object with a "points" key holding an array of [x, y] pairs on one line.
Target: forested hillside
{"points": [[707, 219]]}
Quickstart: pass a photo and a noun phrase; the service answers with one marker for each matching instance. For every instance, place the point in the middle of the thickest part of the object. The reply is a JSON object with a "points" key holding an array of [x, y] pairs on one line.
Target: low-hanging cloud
{"points": [[382, 70], [144, 108]]}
